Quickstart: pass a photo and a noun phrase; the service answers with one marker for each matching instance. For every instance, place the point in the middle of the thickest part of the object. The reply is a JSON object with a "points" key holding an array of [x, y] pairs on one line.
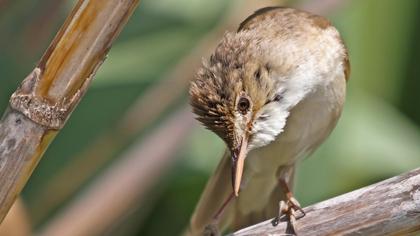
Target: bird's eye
{"points": [[243, 105]]}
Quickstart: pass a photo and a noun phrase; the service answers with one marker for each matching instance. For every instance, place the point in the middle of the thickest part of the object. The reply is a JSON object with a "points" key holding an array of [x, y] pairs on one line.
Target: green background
{"points": [[377, 137]]}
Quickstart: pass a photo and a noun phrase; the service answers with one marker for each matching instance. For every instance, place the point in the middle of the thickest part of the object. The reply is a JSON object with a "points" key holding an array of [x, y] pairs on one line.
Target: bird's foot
{"points": [[289, 209], [211, 230]]}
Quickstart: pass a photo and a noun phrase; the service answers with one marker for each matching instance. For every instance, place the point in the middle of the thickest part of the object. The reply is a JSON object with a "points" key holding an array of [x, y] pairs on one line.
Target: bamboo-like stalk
{"points": [[391, 207], [40, 107]]}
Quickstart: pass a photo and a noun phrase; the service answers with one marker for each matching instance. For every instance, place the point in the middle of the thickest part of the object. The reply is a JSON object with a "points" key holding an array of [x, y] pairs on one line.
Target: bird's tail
{"points": [[217, 190]]}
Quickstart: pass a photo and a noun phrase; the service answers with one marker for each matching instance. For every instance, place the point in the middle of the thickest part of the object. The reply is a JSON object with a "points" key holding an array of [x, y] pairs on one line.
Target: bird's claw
{"points": [[289, 209], [292, 205]]}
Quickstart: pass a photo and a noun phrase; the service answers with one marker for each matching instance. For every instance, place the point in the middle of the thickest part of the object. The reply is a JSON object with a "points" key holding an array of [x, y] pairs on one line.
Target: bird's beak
{"points": [[238, 158]]}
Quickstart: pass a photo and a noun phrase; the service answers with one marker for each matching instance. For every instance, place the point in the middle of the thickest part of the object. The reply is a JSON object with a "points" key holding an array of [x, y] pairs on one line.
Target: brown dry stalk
{"points": [[40, 107]]}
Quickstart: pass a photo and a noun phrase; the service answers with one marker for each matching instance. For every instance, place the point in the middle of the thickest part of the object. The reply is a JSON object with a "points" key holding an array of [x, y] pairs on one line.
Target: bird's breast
{"points": [[308, 125]]}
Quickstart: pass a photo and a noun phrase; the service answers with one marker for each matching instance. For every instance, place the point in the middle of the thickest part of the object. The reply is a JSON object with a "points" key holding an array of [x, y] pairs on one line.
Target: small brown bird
{"points": [[273, 91]]}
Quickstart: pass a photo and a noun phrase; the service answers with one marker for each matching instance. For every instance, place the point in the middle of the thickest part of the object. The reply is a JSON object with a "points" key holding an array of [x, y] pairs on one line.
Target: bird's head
{"points": [[246, 90], [240, 103]]}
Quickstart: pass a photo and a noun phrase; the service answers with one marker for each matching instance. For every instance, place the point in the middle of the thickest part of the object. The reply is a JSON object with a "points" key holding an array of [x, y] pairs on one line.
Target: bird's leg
{"points": [[212, 230], [291, 202], [289, 207]]}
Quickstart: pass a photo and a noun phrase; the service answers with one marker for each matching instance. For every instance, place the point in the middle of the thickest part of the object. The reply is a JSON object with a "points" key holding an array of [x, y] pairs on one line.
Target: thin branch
{"points": [[391, 207], [124, 184], [41, 105]]}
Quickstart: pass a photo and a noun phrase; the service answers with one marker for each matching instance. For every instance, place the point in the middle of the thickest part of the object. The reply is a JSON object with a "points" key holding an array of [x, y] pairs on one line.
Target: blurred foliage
{"points": [[377, 137]]}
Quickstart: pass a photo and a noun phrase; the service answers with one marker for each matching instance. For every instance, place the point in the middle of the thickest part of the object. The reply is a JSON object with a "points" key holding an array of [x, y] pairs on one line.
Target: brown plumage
{"points": [[273, 91]]}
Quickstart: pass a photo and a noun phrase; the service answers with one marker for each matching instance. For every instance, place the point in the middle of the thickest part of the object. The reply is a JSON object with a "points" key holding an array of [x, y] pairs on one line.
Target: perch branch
{"points": [[44, 101], [391, 207]]}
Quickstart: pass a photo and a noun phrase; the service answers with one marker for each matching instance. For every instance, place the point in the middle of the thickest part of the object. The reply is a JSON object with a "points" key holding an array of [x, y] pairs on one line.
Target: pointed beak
{"points": [[238, 158]]}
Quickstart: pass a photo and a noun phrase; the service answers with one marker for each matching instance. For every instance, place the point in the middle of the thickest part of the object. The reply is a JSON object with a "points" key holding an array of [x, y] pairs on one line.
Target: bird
{"points": [[272, 91]]}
